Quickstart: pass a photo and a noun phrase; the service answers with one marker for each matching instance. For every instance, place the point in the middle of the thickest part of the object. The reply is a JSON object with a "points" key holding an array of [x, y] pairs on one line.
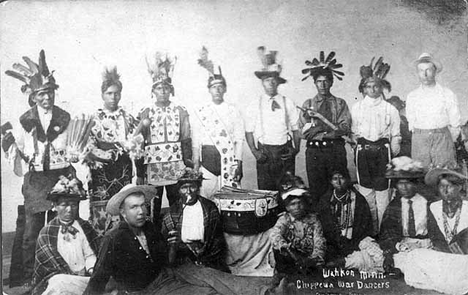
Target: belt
{"points": [[324, 143], [436, 130]]}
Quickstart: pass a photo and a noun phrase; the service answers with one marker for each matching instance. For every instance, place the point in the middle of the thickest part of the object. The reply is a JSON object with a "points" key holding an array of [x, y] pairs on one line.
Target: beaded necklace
{"points": [[345, 214]]}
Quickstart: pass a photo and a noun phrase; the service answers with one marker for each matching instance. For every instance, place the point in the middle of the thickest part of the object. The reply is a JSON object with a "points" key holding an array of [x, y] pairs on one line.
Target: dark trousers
{"points": [[16, 267], [33, 225], [270, 171], [172, 194], [371, 163], [322, 159]]}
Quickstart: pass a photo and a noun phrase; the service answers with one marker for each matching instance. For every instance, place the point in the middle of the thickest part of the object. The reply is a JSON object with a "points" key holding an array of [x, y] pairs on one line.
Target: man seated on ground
{"points": [[404, 224], [448, 218], [66, 246], [193, 226], [297, 237], [347, 226], [133, 252]]}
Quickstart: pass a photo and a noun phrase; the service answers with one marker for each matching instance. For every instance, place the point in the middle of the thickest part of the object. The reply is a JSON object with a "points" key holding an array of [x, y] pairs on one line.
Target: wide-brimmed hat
{"points": [[428, 58], [271, 67], [67, 187], [432, 177], [404, 168], [113, 206]]}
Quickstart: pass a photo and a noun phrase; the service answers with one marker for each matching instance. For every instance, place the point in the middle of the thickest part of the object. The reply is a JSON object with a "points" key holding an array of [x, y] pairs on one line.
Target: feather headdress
{"points": [[271, 66], [204, 62], [111, 75], [35, 77], [378, 71], [321, 65], [161, 68]]}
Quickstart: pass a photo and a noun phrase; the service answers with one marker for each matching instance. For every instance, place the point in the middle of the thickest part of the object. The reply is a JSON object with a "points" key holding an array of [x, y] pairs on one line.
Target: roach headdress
{"points": [[204, 62], [271, 66], [161, 68], [323, 66], [36, 77], [378, 71]]}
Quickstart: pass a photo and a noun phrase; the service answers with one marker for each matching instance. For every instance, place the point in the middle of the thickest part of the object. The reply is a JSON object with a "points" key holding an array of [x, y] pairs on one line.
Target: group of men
{"points": [[212, 141]]}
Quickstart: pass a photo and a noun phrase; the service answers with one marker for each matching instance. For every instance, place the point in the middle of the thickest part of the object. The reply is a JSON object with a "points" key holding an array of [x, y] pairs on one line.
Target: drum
{"points": [[247, 212]]}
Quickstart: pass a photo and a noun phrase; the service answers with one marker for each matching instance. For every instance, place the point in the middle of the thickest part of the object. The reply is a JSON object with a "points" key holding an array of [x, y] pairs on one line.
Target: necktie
{"points": [[274, 105], [411, 224], [68, 229]]}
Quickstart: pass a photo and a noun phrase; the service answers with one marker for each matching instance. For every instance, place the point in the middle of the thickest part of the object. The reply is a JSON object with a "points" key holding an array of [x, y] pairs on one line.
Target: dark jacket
{"points": [[122, 257]]}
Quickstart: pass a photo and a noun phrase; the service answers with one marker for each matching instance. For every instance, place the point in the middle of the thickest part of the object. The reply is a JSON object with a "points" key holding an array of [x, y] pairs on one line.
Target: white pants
{"points": [[66, 285], [210, 185], [378, 202]]}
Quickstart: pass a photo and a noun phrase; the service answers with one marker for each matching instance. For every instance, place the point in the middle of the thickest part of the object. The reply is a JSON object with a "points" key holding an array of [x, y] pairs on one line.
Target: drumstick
{"points": [[322, 118]]}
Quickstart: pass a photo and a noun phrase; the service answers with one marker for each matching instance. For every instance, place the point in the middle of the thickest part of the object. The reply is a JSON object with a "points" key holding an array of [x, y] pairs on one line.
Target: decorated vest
{"points": [[163, 150], [45, 150]]}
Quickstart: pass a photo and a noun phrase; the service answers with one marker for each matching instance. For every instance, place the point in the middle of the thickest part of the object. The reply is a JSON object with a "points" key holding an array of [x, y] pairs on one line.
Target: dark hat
{"points": [[190, 176], [36, 77], [404, 168], [316, 67], [113, 206], [67, 187], [270, 65]]}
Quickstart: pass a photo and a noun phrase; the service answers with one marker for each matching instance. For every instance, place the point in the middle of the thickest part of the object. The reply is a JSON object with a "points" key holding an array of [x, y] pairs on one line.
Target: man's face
{"points": [[111, 98], [217, 92], [296, 208], [162, 91], [339, 182], [406, 188], [67, 209], [323, 85], [270, 84], [448, 190], [45, 98], [427, 73], [188, 192], [373, 89], [134, 210]]}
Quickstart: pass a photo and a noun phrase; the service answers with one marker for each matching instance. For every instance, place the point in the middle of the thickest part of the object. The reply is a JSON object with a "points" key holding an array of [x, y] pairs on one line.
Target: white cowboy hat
{"points": [[113, 206]]}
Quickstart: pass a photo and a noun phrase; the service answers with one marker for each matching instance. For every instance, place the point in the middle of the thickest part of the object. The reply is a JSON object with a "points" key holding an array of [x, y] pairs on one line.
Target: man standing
{"points": [[433, 116], [218, 137], [270, 120], [67, 245], [166, 130], [323, 121], [376, 128], [39, 153]]}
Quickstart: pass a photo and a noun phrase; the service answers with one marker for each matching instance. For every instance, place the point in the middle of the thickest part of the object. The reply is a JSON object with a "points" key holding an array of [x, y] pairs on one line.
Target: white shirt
{"points": [[420, 215], [192, 223], [44, 116], [232, 121], [374, 119], [271, 127], [76, 251], [432, 108]]}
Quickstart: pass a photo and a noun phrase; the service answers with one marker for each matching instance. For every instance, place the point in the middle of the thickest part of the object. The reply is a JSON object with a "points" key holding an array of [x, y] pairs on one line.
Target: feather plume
{"points": [[32, 65], [17, 76], [204, 62], [322, 57], [330, 57], [262, 56], [318, 65], [24, 70], [43, 69]]}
